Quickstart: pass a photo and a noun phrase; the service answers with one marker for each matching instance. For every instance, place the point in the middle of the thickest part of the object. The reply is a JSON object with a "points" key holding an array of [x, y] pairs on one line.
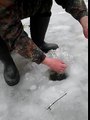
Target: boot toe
{"points": [[48, 46], [12, 81], [11, 77]]}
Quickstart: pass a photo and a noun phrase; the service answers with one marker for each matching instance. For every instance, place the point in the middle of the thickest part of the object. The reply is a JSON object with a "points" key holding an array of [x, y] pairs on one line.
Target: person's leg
{"points": [[39, 24], [11, 73]]}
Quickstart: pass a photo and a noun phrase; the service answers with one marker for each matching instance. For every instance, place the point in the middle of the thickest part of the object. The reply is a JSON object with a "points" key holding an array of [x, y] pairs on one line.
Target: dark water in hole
{"points": [[54, 76]]}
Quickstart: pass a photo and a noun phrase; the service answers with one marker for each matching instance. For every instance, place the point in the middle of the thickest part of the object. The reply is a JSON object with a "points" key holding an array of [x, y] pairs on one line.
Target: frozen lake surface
{"points": [[30, 99]]}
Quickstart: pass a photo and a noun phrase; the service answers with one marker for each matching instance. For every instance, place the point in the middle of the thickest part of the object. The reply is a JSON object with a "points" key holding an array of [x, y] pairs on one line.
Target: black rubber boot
{"points": [[11, 73], [39, 25]]}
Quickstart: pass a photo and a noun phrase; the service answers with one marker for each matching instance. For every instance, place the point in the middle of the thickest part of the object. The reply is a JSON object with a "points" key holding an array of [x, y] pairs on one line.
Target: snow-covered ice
{"points": [[30, 99]]}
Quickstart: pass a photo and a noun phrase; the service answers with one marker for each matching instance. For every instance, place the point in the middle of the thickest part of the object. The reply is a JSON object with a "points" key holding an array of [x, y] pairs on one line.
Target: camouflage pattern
{"points": [[76, 8], [11, 29], [26, 48], [32, 7]]}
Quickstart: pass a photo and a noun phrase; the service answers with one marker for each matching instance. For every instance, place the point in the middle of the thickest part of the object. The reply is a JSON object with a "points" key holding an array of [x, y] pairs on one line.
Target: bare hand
{"points": [[85, 31], [84, 23], [55, 64]]}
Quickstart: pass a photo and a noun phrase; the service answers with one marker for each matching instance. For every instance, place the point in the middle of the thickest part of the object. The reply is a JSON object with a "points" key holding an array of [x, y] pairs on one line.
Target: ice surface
{"points": [[35, 92]]}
